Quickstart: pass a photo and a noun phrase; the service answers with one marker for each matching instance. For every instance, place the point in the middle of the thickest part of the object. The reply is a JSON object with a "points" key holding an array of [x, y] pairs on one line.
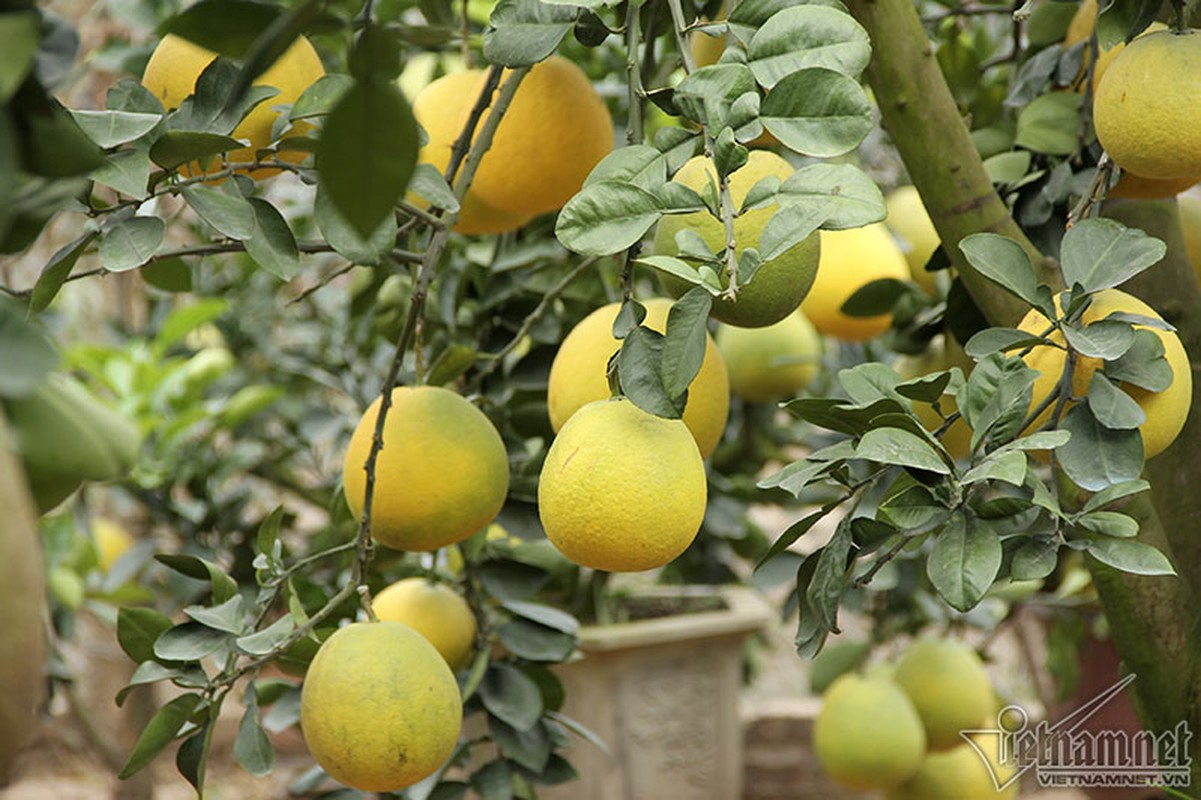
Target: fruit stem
{"points": [[677, 18], [636, 92]]}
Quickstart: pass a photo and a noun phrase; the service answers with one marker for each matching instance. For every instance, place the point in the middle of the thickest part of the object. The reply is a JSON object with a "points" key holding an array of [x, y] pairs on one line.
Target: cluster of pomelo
{"points": [[904, 728]]}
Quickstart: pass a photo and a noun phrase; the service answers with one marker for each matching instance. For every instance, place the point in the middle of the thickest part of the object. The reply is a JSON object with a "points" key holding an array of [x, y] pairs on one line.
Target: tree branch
{"points": [[919, 112]]}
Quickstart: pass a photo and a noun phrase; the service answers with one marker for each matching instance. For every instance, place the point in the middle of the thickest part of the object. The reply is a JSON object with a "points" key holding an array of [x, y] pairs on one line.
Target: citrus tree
{"points": [[436, 243]]}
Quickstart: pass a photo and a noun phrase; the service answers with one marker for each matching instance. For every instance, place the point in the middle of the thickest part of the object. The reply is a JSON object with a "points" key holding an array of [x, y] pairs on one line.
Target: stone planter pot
{"points": [[662, 693]]}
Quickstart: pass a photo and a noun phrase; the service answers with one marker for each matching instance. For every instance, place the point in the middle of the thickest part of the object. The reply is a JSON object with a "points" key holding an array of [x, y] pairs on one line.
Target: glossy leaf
{"points": [[1143, 365], [902, 448], [56, 271], [131, 243], [252, 748], [639, 370], [20, 32], [127, 171], [1130, 556], [162, 729], [1097, 457], [343, 237], [637, 164], [847, 197], [222, 207], [111, 128], [1111, 406], [1049, 124], [1102, 253], [1106, 338], [138, 629], [606, 217], [188, 641], [523, 32], [175, 148], [964, 562], [367, 153], [512, 696], [1004, 262], [272, 245], [686, 340], [808, 36], [817, 112]]}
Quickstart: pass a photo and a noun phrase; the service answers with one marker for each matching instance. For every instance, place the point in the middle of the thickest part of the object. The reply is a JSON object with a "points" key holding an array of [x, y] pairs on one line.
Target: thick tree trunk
{"points": [[23, 634], [1154, 620]]}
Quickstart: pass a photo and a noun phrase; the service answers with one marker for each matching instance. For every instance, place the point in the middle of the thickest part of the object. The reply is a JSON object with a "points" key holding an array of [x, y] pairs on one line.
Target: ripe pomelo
{"points": [[851, 259], [771, 363], [434, 610], [622, 490], [441, 475], [379, 708], [577, 374], [946, 682]]}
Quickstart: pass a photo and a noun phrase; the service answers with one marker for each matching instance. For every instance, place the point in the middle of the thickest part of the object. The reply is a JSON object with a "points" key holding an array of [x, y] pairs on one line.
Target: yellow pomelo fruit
{"points": [[1190, 224], [552, 135], [1166, 411], [622, 490], [867, 734], [441, 475], [432, 108], [772, 363], [435, 611], [577, 375], [942, 354], [780, 284], [1130, 185], [851, 259], [112, 541], [176, 63], [379, 708], [959, 774], [909, 221], [946, 682], [1146, 111]]}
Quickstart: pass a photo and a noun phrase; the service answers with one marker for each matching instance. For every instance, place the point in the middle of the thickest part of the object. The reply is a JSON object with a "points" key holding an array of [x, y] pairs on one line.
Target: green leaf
{"points": [[111, 128], [686, 340], [192, 752], [367, 153], [222, 207], [1111, 406], [606, 217], [873, 298], [131, 243], [1109, 523], [808, 36], [706, 95], [1102, 253], [1106, 338], [1143, 364], [1050, 123], [346, 240], [223, 586], [684, 271], [1008, 466], [1097, 457], [847, 197], [511, 695], [542, 614], [902, 448], [227, 26], [1130, 556], [272, 245], [263, 642], [162, 729], [790, 536], [188, 641], [322, 97], [428, 182], [964, 562], [817, 112], [996, 397], [789, 226], [1005, 263], [1007, 168], [826, 587], [493, 781], [52, 144], [639, 365], [25, 351], [1041, 440], [127, 171], [523, 32], [228, 617], [998, 340], [138, 629], [20, 32], [529, 748], [1034, 560], [252, 748], [1114, 493], [55, 273], [536, 642], [1122, 20], [175, 148]]}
